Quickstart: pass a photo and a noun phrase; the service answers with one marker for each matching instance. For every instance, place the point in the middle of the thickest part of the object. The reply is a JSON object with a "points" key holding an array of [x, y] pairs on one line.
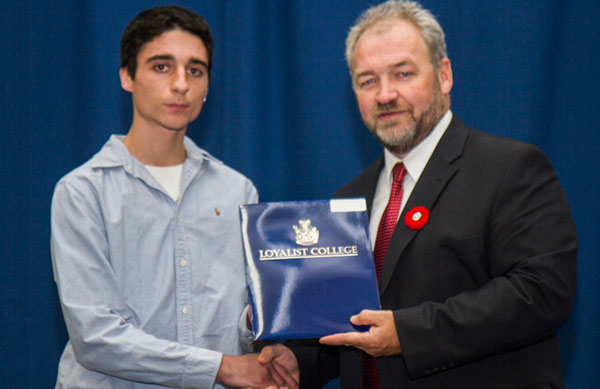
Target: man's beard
{"points": [[401, 138]]}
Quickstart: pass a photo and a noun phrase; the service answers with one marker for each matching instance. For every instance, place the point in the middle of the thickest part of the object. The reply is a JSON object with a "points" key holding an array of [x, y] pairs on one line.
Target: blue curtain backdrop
{"points": [[281, 111]]}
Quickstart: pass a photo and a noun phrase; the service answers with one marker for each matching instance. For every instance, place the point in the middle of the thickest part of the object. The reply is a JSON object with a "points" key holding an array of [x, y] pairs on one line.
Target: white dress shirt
{"points": [[415, 162]]}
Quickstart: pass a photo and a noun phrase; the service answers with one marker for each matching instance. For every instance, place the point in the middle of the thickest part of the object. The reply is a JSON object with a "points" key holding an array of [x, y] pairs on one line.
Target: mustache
{"points": [[390, 107]]}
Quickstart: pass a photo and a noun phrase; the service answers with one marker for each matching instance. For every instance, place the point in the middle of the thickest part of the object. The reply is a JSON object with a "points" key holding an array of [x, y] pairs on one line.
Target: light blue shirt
{"points": [[153, 291]]}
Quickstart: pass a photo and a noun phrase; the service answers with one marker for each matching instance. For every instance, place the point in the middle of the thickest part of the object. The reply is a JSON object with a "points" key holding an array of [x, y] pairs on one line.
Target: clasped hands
{"points": [[275, 367], [280, 364]]}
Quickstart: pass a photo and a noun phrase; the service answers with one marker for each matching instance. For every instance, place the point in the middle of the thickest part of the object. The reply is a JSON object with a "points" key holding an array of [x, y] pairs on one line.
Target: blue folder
{"points": [[309, 266]]}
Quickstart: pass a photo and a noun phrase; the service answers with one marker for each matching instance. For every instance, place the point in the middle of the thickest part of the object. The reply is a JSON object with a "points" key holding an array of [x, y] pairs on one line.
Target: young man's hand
{"points": [[246, 371]]}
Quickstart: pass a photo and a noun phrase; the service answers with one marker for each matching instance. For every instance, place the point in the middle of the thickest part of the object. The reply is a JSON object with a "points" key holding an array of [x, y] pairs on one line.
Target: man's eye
{"points": [[161, 67], [403, 74], [367, 82], [196, 72]]}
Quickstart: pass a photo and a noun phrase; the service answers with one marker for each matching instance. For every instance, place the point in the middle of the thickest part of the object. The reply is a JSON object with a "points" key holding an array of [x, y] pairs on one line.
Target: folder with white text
{"points": [[309, 267]]}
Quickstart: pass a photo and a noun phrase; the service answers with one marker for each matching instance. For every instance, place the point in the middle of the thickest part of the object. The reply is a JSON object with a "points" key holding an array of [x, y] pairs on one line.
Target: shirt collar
{"points": [[114, 153], [416, 159]]}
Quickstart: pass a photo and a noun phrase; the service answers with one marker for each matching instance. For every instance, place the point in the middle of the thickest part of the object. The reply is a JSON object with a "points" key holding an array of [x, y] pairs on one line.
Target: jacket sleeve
{"points": [[529, 248], [318, 363]]}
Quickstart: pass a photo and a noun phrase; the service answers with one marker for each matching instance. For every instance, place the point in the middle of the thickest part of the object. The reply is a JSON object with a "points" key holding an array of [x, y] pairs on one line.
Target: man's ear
{"points": [[126, 81], [445, 76]]}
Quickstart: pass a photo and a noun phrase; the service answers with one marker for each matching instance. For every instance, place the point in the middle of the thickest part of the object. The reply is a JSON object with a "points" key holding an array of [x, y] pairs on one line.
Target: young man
{"points": [[475, 245], [145, 235]]}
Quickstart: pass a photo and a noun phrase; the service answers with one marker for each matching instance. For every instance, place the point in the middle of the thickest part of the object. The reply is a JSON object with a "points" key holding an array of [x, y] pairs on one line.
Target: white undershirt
{"points": [[415, 162], [169, 177]]}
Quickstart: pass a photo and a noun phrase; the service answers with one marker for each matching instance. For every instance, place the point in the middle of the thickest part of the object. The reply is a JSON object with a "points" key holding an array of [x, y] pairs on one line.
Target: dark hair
{"points": [[152, 22]]}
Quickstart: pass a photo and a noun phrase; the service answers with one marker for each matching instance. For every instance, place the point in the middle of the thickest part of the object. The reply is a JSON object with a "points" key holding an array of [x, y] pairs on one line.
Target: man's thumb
{"points": [[266, 355]]}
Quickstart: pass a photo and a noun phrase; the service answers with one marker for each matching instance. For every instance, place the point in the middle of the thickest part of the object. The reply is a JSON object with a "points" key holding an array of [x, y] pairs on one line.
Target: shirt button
{"points": [[185, 310], [183, 263]]}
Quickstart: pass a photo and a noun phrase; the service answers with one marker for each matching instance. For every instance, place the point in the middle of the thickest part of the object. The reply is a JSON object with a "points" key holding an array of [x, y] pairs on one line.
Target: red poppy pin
{"points": [[416, 218]]}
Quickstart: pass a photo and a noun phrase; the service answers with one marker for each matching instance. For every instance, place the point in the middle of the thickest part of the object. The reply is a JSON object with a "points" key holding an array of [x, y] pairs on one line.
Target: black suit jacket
{"points": [[479, 292]]}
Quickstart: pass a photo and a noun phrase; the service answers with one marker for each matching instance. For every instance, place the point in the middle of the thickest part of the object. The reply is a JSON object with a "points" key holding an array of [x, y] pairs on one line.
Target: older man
{"points": [[475, 246]]}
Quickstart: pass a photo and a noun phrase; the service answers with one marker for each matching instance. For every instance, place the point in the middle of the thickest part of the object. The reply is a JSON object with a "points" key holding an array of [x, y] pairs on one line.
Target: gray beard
{"points": [[417, 131]]}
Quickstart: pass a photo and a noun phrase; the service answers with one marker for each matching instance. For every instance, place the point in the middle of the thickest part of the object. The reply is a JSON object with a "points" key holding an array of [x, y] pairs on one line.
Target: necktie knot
{"points": [[398, 172]]}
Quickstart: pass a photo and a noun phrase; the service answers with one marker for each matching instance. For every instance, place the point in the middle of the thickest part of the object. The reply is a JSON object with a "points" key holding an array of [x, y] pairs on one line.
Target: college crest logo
{"points": [[306, 235]]}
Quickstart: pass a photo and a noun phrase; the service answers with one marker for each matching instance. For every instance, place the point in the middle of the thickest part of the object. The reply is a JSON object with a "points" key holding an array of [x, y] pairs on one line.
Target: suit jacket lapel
{"points": [[438, 172], [372, 176]]}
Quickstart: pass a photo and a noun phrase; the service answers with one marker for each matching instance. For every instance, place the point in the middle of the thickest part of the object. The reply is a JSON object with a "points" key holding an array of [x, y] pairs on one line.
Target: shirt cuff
{"points": [[201, 368]]}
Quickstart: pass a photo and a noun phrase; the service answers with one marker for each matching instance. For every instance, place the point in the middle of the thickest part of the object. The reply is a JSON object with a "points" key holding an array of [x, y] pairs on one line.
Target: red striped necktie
{"points": [[384, 233]]}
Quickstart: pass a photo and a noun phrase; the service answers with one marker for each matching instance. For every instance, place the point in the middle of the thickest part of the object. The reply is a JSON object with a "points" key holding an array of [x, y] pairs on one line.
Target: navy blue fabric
{"points": [[281, 111]]}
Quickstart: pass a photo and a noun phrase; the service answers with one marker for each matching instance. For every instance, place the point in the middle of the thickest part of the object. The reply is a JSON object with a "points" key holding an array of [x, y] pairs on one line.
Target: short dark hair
{"points": [[152, 22]]}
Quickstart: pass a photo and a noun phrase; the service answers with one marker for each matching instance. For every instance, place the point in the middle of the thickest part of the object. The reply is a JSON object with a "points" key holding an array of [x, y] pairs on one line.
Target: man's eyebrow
{"points": [[362, 74], [168, 57], [195, 61], [402, 63], [393, 66], [160, 57]]}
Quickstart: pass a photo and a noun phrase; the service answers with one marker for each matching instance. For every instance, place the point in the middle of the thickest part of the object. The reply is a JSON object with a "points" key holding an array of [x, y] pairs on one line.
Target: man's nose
{"points": [[180, 81], [387, 93]]}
